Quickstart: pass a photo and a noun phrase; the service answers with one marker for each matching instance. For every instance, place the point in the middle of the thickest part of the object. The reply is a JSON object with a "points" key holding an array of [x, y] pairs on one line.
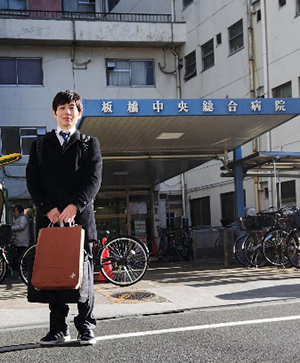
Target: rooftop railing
{"points": [[65, 15]]}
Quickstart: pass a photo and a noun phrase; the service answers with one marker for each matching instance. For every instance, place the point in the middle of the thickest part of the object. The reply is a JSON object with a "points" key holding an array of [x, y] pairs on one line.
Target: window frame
{"points": [[207, 55], [24, 7], [282, 88], [233, 38], [18, 74], [19, 140], [192, 73], [287, 195], [129, 71], [204, 216]]}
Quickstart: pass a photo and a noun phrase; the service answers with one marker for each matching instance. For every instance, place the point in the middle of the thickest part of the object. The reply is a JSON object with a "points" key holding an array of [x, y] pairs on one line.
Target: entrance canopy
{"points": [[145, 142]]}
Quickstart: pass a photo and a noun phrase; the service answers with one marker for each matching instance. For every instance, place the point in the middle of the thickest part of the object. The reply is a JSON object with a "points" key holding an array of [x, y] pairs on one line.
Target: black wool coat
{"points": [[63, 178]]}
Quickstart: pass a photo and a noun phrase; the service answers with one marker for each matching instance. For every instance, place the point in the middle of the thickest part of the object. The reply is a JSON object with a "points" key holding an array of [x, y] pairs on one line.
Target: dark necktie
{"points": [[65, 136]]}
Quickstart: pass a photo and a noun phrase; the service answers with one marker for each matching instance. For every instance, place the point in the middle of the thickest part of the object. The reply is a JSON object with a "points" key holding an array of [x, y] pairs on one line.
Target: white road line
{"points": [[197, 327], [12, 348]]}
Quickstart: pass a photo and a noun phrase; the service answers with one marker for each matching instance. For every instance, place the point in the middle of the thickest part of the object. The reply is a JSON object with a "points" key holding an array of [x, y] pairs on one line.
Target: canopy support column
{"points": [[238, 184]]}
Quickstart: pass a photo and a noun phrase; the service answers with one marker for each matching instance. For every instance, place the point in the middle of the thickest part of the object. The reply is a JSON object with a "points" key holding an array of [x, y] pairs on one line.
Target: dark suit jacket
{"points": [[64, 178]]}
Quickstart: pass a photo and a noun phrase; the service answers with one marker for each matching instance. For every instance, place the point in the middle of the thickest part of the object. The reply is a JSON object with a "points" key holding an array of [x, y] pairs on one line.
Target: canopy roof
{"points": [[145, 142]]}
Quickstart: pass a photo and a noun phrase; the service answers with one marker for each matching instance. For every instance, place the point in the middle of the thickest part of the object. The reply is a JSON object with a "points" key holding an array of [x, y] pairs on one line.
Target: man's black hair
{"points": [[66, 97]]}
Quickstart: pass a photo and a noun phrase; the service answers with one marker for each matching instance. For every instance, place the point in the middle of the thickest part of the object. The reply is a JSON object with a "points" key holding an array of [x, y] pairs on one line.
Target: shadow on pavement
{"points": [[203, 275], [280, 291]]}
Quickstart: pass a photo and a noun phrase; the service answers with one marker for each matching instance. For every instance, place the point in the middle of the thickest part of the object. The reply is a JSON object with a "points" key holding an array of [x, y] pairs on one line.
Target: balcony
{"points": [[95, 29]]}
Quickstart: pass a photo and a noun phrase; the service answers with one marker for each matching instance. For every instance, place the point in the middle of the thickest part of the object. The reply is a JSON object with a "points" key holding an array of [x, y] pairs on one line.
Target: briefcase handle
{"points": [[62, 224]]}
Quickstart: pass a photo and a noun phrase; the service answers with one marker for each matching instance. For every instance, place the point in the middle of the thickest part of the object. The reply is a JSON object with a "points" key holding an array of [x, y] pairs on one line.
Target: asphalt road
{"points": [[267, 332]]}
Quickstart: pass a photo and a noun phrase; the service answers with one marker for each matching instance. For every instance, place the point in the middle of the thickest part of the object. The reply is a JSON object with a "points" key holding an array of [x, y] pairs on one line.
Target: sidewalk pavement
{"points": [[167, 287]]}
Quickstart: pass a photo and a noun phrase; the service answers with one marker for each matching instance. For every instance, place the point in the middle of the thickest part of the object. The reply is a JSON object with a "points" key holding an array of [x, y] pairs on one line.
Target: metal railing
{"points": [[215, 243], [65, 15]]}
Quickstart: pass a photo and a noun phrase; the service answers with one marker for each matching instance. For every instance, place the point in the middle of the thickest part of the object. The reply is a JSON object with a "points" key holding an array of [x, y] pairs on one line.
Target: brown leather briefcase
{"points": [[58, 262]]}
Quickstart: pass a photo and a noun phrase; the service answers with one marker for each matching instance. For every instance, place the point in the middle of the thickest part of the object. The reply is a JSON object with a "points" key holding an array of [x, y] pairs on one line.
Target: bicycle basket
{"points": [[253, 223], [288, 222], [268, 219]]}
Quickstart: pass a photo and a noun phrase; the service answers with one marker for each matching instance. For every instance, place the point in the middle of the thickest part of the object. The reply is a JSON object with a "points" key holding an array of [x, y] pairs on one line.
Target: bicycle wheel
{"points": [[26, 261], [124, 260], [274, 248], [3, 268], [293, 248], [253, 250], [238, 250]]}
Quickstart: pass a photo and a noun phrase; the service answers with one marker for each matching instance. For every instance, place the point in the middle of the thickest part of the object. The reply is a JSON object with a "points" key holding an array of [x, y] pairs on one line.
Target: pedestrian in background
{"points": [[20, 231]]}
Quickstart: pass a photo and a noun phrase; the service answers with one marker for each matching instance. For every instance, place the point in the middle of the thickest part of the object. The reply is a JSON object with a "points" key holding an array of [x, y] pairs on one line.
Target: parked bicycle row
{"points": [[175, 245], [270, 237]]}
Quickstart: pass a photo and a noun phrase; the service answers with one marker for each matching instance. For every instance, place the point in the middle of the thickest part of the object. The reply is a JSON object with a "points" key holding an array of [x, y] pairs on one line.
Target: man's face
{"points": [[67, 115]]}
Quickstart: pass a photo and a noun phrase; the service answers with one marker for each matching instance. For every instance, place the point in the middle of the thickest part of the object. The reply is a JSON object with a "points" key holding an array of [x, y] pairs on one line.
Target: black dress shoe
{"points": [[87, 337], [53, 338]]}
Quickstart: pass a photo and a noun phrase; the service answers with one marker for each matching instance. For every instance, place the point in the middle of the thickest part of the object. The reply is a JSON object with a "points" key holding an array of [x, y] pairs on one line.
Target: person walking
{"points": [[63, 177], [20, 231]]}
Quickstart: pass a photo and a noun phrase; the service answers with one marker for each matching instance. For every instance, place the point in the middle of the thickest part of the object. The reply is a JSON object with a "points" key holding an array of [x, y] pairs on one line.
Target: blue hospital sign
{"points": [[191, 107]]}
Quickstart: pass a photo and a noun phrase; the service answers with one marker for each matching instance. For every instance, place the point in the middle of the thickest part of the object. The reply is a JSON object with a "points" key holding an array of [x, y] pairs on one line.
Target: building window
{"points": [[19, 139], [13, 4], [258, 15], [130, 73], [190, 65], [219, 38], [287, 193], [236, 37], [83, 6], [186, 3], [228, 206], [297, 7], [21, 71], [283, 91], [208, 58], [281, 3], [86, 6], [112, 4], [200, 212]]}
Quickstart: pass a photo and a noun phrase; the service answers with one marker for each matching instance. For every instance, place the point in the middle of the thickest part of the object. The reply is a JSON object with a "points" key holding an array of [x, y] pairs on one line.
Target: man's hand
{"points": [[68, 214], [53, 215]]}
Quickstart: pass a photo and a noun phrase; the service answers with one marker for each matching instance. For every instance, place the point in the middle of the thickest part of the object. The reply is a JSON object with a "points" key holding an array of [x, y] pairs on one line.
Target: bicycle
{"points": [[238, 249], [122, 260], [8, 252], [167, 249], [185, 247], [275, 242], [253, 250], [293, 239]]}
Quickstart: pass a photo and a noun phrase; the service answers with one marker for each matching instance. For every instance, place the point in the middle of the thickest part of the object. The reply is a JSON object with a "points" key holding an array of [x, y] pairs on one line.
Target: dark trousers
{"points": [[85, 319]]}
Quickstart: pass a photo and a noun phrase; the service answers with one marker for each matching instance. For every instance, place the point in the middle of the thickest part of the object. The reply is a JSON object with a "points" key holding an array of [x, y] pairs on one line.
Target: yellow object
{"points": [[10, 158]]}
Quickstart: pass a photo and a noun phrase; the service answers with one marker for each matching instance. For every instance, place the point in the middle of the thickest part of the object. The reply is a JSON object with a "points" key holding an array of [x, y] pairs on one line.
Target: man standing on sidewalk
{"points": [[63, 177]]}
